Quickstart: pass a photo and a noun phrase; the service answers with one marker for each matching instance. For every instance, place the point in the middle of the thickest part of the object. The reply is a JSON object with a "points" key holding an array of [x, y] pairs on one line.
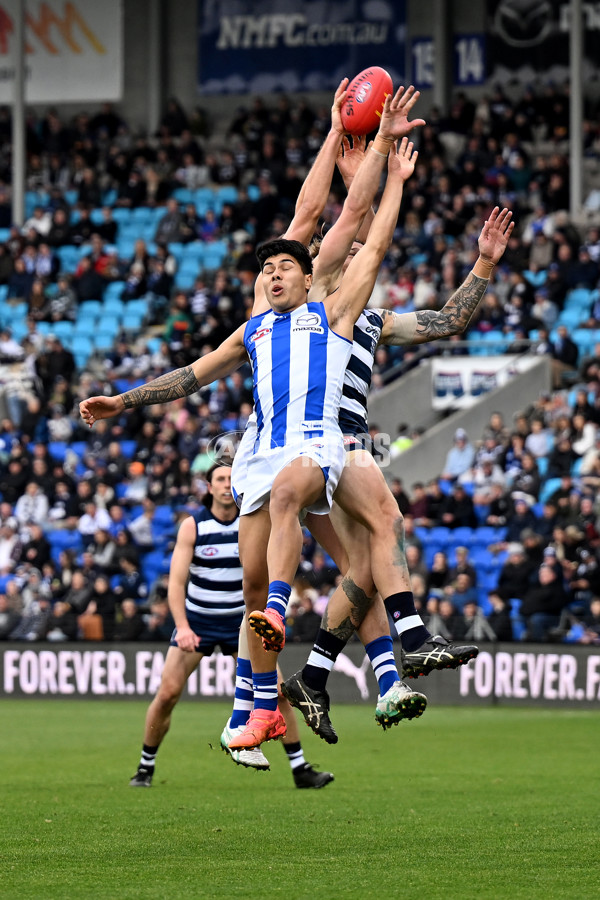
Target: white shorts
{"points": [[243, 455], [264, 466]]}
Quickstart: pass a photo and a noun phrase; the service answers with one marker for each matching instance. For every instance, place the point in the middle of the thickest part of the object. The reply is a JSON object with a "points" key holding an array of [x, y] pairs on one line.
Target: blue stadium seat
{"points": [[517, 625], [121, 215], [228, 193], [204, 195], [184, 281], [90, 308], [109, 198], [439, 535], [81, 348], [582, 296], [125, 248], [79, 447], [190, 265], [63, 329], [177, 250], [128, 448], [154, 564], [104, 340], [112, 306], [108, 324], [462, 537], [572, 317], [142, 215], [183, 195], [4, 236], [85, 327], [65, 540], [138, 306], [132, 322], [548, 488], [114, 290], [57, 450]]}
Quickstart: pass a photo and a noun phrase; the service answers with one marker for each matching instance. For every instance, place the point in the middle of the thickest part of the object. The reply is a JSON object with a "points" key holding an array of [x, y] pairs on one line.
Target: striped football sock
{"points": [[381, 653], [265, 690], [243, 698], [279, 594]]}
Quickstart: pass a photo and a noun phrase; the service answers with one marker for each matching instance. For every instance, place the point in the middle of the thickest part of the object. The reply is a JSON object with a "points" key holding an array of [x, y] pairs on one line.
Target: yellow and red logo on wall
{"points": [[73, 50]]}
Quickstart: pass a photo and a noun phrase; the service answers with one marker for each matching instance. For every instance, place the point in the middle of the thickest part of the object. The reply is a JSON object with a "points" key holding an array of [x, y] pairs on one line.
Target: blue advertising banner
{"points": [[262, 46]]}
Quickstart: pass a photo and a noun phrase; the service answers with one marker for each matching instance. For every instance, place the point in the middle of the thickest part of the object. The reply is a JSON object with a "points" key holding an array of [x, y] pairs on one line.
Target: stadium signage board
{"points": [[557, 675], [296, 45], [73, 50]]}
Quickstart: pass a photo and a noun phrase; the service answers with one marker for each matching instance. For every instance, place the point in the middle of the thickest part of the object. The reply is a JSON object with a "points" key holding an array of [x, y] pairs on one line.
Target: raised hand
{"points": [[336, 109], [350, 157], [495, 235], [394, 118], [96, 408], [402, 162]]}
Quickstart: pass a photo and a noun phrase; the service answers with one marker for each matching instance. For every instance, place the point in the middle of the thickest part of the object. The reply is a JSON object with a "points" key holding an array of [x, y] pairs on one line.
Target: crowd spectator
{"points": [[93, 496]]}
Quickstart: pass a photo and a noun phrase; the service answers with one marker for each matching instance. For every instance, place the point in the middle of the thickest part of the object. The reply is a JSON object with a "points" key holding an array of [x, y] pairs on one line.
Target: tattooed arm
{"points": [[454, 317], [180, 383]]}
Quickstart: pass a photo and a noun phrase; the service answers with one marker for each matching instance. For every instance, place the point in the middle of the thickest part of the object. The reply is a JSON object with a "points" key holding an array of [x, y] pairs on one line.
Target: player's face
{"points": [[285, 283], [353, 251], [220, 486]]}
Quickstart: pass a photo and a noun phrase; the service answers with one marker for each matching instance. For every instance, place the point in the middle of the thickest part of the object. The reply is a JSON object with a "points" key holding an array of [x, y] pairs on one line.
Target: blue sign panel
{"points": [[261, 46]]}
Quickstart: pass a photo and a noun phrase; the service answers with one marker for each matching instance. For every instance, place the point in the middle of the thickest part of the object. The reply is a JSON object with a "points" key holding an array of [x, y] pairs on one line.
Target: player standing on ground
{"points": [[206, 601]]}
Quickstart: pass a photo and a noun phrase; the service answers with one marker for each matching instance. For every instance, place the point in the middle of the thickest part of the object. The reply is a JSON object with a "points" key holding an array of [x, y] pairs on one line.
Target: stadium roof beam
{"points": [[442, 41], [155, 67], [576, 109], [18, 117]]}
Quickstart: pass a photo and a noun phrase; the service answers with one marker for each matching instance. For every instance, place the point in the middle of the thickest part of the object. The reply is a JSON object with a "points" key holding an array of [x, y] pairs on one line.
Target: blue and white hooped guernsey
{"points": [[215, 583], [298, 366], [357, 378]]}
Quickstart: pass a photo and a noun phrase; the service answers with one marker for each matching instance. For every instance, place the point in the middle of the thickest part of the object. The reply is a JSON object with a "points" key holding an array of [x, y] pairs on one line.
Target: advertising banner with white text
{"points": [[557, 676], [261, 46]]}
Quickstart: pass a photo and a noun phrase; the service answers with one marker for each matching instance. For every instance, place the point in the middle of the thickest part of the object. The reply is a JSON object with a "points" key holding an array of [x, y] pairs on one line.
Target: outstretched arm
{"points": [[317, 184], [428, 324], [350, 158], [357, 284], [179, 383], [314, 192], [338, 241]]}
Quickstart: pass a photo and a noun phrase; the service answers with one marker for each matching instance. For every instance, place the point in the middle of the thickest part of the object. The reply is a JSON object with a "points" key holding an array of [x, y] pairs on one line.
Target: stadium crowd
{"points": [[137, 256]]}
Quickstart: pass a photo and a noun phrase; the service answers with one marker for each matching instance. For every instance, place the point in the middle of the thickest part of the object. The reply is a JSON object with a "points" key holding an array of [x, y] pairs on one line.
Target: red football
{"points": [[361, 110]]}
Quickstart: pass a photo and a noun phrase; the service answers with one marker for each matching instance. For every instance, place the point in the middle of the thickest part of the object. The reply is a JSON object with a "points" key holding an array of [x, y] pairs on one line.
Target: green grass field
{"points": [[464, 803]]}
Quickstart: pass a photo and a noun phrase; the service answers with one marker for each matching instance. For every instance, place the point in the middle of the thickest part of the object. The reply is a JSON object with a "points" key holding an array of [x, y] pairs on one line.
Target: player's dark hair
{"points": [[208, 497], [290, 248]]}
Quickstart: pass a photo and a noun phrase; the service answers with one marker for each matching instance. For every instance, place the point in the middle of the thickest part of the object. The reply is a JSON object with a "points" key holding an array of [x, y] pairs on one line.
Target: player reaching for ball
{"points": [[301, 349]]}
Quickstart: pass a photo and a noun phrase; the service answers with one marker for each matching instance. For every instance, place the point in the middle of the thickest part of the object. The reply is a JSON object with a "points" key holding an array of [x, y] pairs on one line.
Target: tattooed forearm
{"points": [[359, 603], [456, 314], [180, 383]]}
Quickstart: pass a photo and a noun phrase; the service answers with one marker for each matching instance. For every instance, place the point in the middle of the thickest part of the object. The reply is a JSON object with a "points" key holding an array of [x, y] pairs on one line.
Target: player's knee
{"points": [[169, 693], [255, 590], [285, 497], [386, 520]]}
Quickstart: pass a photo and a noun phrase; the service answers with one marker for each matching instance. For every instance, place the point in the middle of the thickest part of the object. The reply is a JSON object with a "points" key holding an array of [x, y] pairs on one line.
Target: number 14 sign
{"points": [[469, 61]]}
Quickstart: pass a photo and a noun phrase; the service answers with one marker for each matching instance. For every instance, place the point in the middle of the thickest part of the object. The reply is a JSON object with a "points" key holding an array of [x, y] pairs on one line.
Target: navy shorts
{"points": [[214, 631], [355, 442]]}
